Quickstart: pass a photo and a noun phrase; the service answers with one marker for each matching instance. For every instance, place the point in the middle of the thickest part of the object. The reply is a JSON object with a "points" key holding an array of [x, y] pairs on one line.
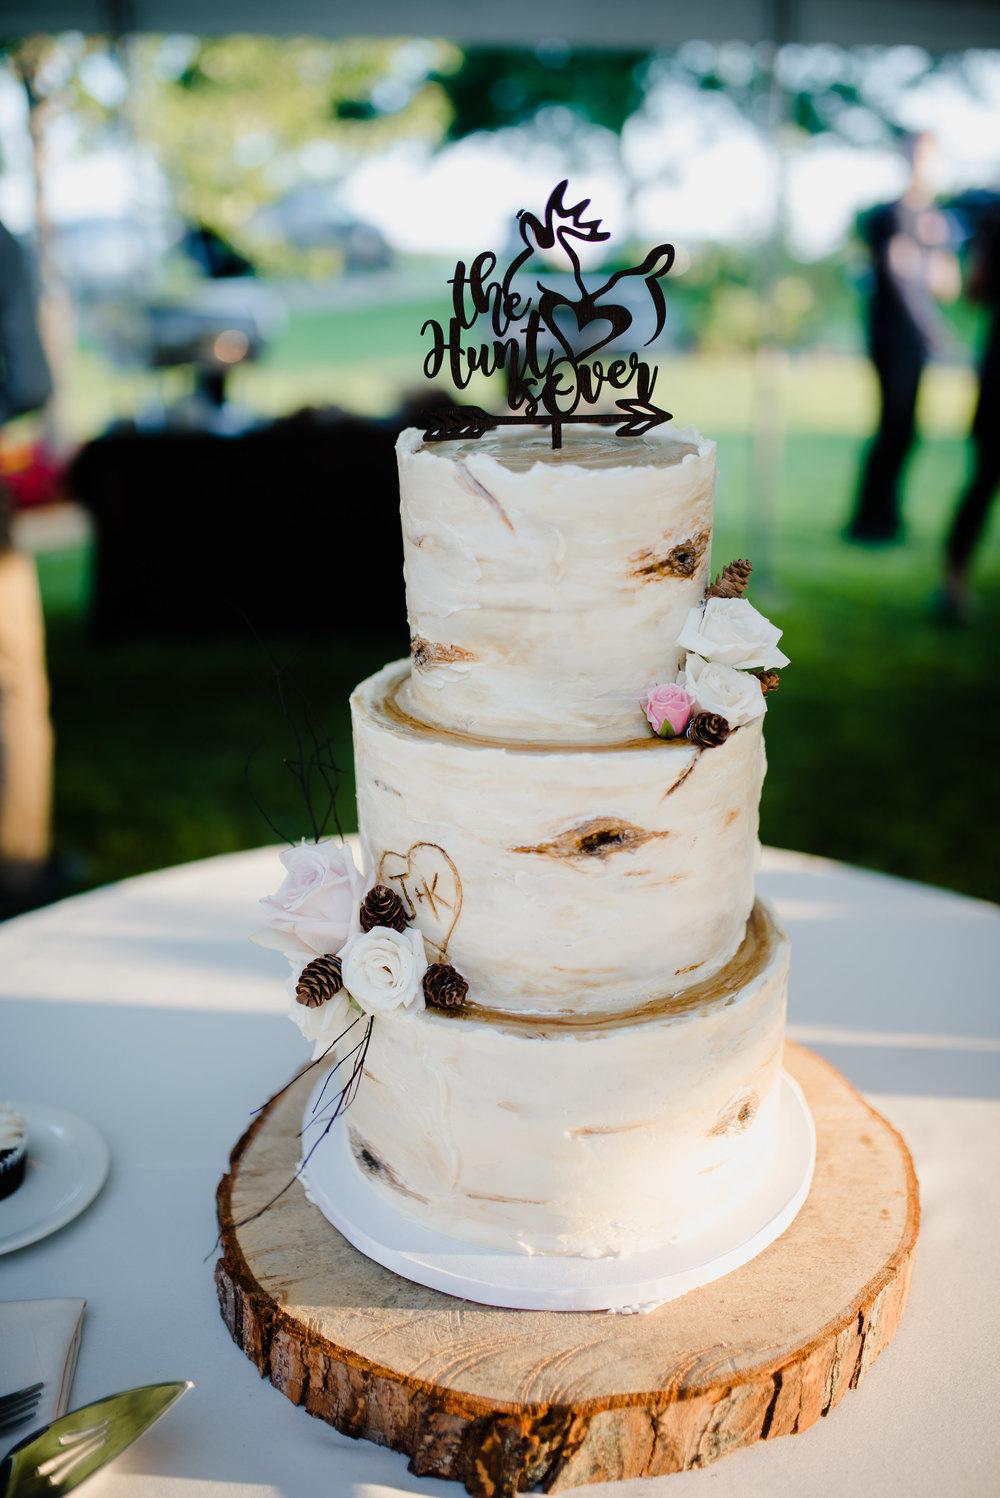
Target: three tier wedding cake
{"points": [[554, 1009]]}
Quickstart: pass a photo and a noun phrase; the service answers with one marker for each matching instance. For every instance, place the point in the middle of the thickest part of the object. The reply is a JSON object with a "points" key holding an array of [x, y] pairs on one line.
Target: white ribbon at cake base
{"points": [[536, 1282]]}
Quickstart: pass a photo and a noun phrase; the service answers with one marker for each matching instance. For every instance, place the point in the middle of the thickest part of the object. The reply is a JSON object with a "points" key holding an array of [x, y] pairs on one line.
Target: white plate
{"points": [[67, 1166], [556, 1282]]}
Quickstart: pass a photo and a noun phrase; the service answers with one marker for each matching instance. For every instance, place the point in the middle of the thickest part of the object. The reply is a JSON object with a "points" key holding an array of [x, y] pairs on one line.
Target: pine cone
{"points": [[733, 580], [444, 986], [708, 730], [383, 907], [770, 681], [318, 981]]}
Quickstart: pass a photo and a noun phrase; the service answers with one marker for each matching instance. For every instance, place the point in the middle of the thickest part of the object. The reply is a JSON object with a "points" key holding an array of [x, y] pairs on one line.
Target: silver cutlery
{"points": [[17, 1408], [59, 1457]]}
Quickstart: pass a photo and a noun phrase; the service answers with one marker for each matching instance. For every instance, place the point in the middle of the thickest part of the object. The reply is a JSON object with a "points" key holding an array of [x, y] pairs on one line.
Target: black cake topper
{"points": [[545, 347]]}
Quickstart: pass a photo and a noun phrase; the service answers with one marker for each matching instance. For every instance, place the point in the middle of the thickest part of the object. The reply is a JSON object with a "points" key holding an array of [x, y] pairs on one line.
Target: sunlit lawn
{"points": [[881, 741], [364, 357]]}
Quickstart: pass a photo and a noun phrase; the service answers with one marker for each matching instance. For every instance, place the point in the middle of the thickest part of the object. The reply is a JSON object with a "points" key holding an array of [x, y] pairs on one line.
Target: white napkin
{"points": [[39, 1342]]}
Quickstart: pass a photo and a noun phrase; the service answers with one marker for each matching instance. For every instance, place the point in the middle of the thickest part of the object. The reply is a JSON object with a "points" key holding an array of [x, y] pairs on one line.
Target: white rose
{"points": [[324, 1022], [731, 631], [733, 694], [384, 969], [313, 912]]}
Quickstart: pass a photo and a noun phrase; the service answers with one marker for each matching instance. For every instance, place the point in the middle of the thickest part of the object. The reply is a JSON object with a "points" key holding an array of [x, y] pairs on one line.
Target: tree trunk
{"points": [[55, 312]]}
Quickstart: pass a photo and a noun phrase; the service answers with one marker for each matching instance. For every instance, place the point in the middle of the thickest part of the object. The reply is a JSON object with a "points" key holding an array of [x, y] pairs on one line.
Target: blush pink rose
{"points": [[312, 914], [668, 709]]}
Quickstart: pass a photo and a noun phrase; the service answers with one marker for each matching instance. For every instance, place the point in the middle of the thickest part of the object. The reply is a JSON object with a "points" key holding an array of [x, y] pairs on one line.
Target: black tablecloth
{"points": [[291, 525]]}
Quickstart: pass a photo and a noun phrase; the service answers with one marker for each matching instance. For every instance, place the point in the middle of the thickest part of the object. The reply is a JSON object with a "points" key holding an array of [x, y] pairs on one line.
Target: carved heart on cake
{"points": [[429, 886]]}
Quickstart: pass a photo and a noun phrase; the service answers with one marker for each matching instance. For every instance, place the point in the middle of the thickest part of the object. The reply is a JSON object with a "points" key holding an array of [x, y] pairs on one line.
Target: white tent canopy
{"points": [[937, 25]]}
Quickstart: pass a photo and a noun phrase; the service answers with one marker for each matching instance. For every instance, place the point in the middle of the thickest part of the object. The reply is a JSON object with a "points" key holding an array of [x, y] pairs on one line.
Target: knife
{"points": [[59, 1457]]}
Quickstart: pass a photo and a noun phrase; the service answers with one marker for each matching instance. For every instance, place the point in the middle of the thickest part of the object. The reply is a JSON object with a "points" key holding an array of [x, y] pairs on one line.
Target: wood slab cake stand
{"points": [[503, 1400]]}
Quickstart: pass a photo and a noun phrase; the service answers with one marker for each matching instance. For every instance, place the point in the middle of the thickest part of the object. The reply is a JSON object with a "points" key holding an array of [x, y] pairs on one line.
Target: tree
{"points": [[574, 99], [501, 88], [235, 121], [42, 74]]}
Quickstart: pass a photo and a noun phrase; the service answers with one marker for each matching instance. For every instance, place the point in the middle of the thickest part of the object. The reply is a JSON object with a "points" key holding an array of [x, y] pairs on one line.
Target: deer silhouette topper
{"points": [[545, 347]]}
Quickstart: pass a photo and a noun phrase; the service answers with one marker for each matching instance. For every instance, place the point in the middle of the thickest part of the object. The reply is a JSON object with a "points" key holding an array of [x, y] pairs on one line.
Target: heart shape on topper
{"points": [[430, 888], [559, 312]]}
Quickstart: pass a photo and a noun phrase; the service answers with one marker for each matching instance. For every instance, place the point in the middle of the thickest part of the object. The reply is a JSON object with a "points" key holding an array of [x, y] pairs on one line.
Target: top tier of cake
{"points": [[545, 590]]}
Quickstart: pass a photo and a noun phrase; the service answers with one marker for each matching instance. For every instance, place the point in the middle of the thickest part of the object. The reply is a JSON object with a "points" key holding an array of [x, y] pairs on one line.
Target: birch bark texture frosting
{"points": [[580, 1138], [560, 880], [546, 591], [611, 1084]]}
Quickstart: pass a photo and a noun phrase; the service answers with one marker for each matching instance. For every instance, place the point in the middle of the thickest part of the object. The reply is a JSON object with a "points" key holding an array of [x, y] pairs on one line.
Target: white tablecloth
{"points": [[144, 1007]]}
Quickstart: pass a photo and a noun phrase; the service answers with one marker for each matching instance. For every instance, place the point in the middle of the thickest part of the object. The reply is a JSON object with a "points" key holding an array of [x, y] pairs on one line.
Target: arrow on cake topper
{"points": [[546, 346]]}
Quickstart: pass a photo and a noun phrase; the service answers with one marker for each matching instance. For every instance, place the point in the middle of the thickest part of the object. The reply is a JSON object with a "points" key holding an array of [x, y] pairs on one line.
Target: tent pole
{"points": [[767, 447]]}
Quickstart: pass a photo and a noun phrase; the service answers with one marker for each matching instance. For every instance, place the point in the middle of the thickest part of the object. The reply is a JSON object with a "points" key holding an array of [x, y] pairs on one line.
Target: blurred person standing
{"points": [[25, 729], [971, 513], [914, 268]]}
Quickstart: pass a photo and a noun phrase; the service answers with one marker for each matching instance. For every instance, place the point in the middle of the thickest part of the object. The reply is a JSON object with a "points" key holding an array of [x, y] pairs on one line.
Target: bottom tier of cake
{"points": [[606, 1136]]}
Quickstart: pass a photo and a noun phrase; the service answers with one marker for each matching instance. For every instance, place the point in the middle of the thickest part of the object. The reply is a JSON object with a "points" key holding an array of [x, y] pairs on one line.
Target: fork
{"points": [[17, 1408]]}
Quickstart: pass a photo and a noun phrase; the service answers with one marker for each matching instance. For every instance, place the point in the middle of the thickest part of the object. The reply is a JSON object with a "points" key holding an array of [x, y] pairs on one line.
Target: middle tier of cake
{"points": [[560, 880]]}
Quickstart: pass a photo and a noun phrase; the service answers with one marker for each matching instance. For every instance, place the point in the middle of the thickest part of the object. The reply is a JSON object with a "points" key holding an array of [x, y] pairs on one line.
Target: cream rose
{"points": [[733, 694], [384, 969], [732, 632], [312, 914]]}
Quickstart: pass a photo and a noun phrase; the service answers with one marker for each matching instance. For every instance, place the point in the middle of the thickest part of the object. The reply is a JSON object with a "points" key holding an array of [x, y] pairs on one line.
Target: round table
{"points": [[144, 1007]]}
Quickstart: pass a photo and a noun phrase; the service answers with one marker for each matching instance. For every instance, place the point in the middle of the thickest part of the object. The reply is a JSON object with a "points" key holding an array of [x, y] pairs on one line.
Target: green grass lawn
{"points": [[881, 740]]}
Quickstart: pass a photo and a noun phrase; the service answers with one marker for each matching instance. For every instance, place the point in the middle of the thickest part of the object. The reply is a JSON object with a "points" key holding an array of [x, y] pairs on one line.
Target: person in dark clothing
{"points": [[972, 511], [25, 382], [912, 267], [25, 730]]}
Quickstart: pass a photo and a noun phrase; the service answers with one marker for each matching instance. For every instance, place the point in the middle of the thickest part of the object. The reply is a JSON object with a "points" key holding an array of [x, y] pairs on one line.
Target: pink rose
{"points": [[668, 709], [312, 914]]}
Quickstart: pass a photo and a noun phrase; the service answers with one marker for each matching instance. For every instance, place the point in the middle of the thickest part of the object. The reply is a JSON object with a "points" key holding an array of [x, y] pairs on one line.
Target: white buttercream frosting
{"points": [[613, 1084], [12, 1128], [561, 880], [546, 591], [588, 1139]]}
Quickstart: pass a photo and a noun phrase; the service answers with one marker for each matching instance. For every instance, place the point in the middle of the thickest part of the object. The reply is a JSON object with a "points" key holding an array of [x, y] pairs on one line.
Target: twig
{"points": [[345, 1098]]}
